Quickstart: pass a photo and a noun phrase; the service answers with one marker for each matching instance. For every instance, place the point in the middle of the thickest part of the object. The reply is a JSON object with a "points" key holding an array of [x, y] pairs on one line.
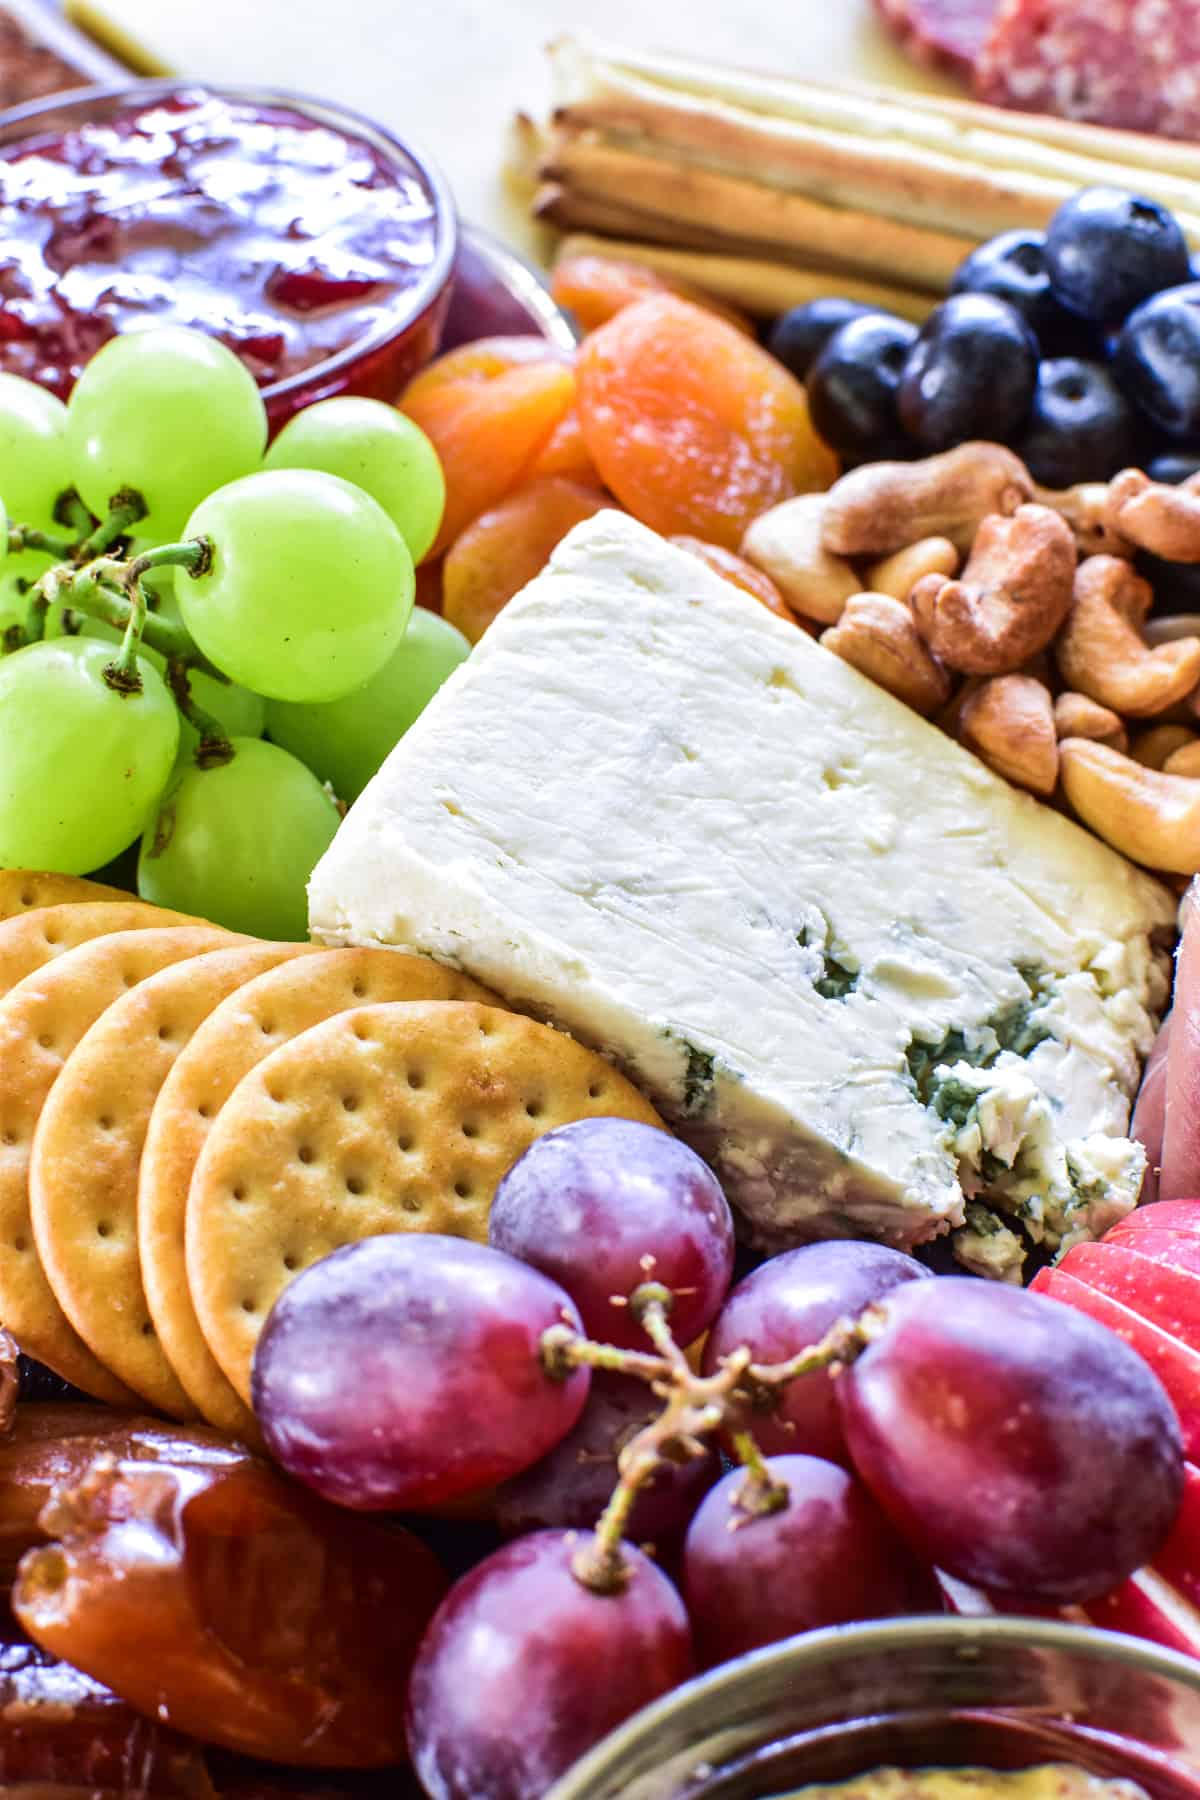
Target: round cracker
{"points": [[29, 940], [387, 1118], [23, 889], [41, 1021], [253, 1022], [83, 1172]]}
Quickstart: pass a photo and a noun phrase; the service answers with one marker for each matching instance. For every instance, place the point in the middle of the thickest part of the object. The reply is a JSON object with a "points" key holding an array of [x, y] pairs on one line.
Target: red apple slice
{"points": [[1176, 1249], [1169, 1298], [1177, 1367], [1179, 1559], [1164, 1215], [1146, 1606]]}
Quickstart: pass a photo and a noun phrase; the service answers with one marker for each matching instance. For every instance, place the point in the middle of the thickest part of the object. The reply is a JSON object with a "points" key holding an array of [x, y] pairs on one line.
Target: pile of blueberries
{"points": [[1079, 347]]}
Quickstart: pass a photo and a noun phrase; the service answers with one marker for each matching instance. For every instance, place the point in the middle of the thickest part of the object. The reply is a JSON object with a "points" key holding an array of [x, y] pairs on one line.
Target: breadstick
{"points": [[755, 214], [859, 148], [763, 288], [1034, 141]]}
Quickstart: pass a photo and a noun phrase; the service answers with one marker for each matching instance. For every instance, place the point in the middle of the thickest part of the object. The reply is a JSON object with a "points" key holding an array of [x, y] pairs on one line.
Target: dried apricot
{"points": [[489, 408], [566, 453], [694, 427], [508, 546], [596, 288], [741, 573]]}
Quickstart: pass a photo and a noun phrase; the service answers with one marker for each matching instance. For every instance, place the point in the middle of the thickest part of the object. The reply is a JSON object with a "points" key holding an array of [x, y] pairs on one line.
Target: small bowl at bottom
{"points": [[1001, 1693]]}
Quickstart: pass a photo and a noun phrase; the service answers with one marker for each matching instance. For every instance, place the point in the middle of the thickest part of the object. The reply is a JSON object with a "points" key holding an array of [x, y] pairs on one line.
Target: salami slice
{"points": [[1129, 63], [940, 33]]}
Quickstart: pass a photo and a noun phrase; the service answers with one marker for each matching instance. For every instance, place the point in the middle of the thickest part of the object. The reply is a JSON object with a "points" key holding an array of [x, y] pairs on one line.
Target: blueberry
{"points": [[970, 373], [1107, 250], [1174, 466], [1012, 267], [1081, 427], [798, 337], [1157, 360], [852, 385]]}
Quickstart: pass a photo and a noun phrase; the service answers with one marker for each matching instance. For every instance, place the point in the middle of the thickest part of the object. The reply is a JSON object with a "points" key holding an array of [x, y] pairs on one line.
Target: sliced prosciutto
{"points": [[1130, 63], [940, 33], [1150, 1111], [1180, 1172]]}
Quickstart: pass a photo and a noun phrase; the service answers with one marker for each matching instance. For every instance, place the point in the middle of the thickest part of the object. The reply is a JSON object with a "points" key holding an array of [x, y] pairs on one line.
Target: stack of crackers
{"points": [[188, 1118]]}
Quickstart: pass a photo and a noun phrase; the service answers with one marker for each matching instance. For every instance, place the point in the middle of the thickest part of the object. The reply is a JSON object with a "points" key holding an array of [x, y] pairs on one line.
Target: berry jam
{"points": [[288, 240]]}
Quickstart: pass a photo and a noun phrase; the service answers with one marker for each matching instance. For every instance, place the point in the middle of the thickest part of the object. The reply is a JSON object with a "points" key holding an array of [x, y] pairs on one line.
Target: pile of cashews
{"points": [[1014, 617]]}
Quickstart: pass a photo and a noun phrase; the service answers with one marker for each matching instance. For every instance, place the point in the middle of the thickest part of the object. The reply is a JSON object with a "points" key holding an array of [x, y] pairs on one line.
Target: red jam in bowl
{"points": [[289, 239]]}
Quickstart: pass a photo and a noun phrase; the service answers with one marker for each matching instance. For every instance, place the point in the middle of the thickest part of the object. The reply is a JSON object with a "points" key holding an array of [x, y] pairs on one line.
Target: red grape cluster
{"points": [[886, 1425]]}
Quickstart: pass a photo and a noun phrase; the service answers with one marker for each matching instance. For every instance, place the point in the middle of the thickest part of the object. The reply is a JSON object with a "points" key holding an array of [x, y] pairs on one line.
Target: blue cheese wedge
{"points": [[869, 980]]}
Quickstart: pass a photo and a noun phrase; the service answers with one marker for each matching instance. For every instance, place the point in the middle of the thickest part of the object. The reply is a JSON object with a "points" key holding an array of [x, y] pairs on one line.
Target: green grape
{"points": [[310, 587], [81, 766], [169, 412], [377, 448], [347, 740], [34, 463], [237, 843]]}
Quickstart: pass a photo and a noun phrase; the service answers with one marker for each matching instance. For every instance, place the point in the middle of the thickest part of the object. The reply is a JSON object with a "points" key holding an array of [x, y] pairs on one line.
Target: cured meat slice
{"points": [[1128, 63], [941, 33], [1179, 1178], [1149, 1115]]}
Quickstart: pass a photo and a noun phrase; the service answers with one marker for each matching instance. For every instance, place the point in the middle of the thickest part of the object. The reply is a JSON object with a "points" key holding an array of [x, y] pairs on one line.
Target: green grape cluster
{"points": [[170, 589]]}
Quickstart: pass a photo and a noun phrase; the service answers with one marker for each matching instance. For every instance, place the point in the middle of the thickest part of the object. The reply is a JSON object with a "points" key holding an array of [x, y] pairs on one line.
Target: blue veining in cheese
{"points": [[793, 910]]}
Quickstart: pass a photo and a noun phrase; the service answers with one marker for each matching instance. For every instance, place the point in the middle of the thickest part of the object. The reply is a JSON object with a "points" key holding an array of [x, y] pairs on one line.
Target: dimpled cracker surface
{"points": [[30, 940], [253, 1022], [21, 890], [41, 1021], [83, 1175], [389, 1118]]}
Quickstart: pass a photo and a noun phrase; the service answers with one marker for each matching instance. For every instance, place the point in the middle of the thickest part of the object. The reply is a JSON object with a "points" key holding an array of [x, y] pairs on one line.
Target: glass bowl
{"points": [[1001, 1692], [380, 362]]}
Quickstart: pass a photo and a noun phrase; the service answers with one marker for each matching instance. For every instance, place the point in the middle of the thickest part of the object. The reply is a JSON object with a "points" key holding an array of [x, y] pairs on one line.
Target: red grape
{"points": [[404, 1371], [604, 1205], [573, 1485], [1013, 1441], [788, 1304], [828, 1557], [523, 1668]]}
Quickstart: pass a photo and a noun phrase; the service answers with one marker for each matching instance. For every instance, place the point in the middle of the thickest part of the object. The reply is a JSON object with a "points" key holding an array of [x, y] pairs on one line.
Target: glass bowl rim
{"points": [[699, 1701], [417, 299]]}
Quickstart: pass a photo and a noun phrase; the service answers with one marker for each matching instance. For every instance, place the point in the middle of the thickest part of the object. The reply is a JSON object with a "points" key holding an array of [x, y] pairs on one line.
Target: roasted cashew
{"points": [[899, 574], [1100, 650], [1155, 515], [1155, 748], [877, 635], [1151, 817], [1185, 760], [1009, 723], [785, 543], [1010, 599], [886, 506], [1075, 715], [1085, 509]]}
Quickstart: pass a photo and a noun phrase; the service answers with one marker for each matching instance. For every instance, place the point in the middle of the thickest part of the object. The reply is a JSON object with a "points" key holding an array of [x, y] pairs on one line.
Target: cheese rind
{"points": [[652, 812]]}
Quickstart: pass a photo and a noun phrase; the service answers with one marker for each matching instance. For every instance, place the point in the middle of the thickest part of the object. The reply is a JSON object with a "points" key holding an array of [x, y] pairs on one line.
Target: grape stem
{"points": [[125, 509], [26, 537], [695, 1406], [214, 747]]}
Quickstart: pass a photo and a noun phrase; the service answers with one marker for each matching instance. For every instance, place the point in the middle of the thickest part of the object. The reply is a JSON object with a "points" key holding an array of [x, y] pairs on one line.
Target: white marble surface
{"points": [[453, 72]]}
